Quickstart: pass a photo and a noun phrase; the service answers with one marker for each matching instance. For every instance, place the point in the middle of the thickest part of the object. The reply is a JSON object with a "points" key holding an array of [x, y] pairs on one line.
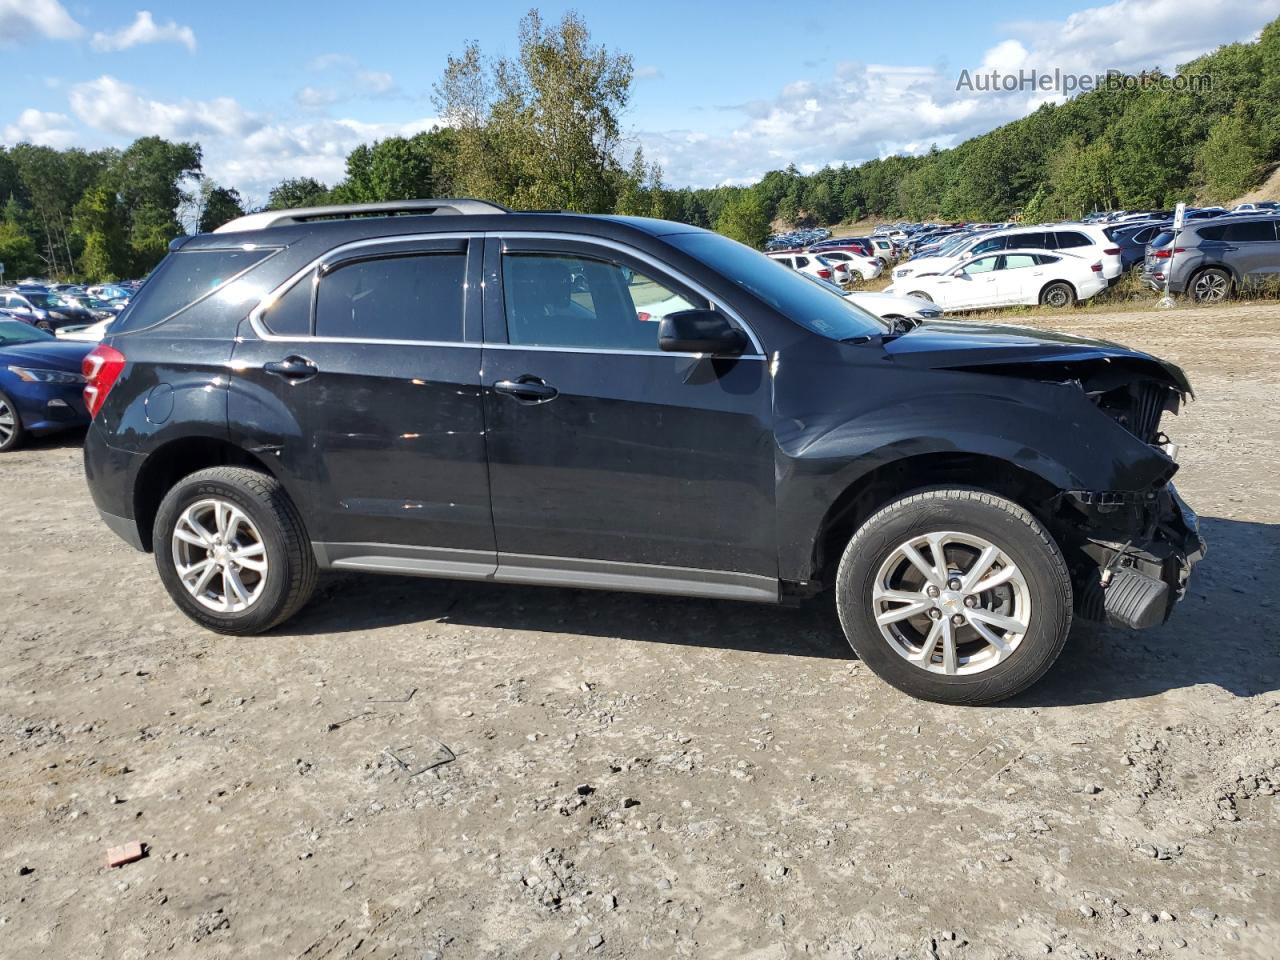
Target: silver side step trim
{"points": [[546, 571]]}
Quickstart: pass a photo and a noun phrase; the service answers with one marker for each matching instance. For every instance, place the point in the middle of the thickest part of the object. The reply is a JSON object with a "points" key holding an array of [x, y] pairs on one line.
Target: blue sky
{"points": [[722, 92]]}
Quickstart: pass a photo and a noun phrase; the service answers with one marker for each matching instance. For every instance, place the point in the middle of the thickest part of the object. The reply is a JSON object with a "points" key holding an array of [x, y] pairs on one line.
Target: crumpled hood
{"points": [[46, 355], [946, 344]]}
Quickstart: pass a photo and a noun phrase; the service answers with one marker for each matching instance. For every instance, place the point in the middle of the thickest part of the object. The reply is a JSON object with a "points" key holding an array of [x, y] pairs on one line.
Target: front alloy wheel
{"points": [[10, 425], [951, 603], [955, 595]]}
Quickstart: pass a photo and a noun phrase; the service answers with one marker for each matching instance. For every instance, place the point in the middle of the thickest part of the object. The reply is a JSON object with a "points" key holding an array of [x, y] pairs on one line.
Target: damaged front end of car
{"points": [[1133, 549]]}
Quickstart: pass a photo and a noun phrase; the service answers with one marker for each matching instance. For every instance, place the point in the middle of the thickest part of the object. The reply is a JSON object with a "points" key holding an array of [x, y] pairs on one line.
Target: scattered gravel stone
{"points": [[1203, 914], [1119, 911], [1166, 916], [1087, 911], [595, 941], [1003, 858]]}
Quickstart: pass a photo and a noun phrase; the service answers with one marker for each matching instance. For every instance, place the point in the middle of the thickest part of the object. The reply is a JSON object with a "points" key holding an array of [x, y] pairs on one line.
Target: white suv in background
{"points": [[1084, 240], [814, 264], [1009, 278]]}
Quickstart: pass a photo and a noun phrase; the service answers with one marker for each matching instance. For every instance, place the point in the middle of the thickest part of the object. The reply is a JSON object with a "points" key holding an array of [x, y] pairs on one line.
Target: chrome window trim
{"points": [[270, 300], [267, 302], [653, 262]]}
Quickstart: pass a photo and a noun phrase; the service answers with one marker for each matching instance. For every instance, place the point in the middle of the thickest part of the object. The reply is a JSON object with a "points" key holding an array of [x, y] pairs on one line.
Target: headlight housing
{"points": [[36, 375]]}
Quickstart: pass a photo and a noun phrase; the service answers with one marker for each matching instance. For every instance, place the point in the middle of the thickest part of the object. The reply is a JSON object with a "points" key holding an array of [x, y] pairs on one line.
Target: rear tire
{"points": [[238, 519], [1210, 286], [1058, 295], [879, 584], [12, 433]]}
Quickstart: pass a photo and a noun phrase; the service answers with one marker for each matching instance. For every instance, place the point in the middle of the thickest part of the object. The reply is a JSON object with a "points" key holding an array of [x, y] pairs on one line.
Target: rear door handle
{"points": [[527, 389], [293, 368]]}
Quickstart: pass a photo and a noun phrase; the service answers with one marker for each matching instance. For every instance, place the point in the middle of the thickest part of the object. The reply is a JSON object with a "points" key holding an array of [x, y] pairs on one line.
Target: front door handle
{"points": [[527, 389], [292, 368]]}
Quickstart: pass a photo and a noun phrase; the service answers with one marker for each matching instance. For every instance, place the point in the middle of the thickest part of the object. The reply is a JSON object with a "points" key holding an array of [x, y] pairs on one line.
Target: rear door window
{"points": [[416, 297], [1034, 240], [1016, 261], [1249, 231], [1067, 239]]}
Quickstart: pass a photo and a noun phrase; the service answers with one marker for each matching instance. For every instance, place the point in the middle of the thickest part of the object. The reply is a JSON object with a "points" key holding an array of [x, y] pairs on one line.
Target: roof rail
{"points": [[447, 206]]}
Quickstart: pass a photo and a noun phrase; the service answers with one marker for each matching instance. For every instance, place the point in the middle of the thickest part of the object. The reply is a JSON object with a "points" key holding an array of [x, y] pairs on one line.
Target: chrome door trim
{"points": [[571, 572]]}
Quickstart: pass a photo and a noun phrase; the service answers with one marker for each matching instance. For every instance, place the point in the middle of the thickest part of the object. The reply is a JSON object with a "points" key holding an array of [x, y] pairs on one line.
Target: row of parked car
{"points": [[68, 310], [46, 329]]}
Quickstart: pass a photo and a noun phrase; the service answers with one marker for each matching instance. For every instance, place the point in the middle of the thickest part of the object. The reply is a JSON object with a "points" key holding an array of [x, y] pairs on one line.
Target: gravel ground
{"points": [[631, 776]]}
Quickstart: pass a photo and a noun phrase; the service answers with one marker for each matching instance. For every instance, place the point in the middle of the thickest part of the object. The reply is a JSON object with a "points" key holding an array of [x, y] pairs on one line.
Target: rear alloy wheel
{"points": [[11, 431], [1058, 295], [1211, 286], [232, 550], [957, 596], [922, 295]]}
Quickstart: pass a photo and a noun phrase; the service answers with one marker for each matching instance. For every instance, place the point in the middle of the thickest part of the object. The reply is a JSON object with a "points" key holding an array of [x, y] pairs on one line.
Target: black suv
{"points": [[448, 388]]}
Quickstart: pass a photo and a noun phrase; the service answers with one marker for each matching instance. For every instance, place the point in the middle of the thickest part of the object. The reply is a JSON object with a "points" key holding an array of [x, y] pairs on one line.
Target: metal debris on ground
{"points": [[444, 754], [405, 699]]}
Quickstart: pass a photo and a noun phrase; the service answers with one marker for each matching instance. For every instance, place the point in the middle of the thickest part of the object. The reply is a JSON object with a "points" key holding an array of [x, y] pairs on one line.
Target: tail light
{"points": [[1166, 254], [1112, 251], [824, 274], [1096, 267], [101, 367]]}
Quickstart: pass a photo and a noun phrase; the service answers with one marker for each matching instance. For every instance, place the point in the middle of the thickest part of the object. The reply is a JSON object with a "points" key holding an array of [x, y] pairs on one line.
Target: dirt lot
{"points": [[636, 776]]}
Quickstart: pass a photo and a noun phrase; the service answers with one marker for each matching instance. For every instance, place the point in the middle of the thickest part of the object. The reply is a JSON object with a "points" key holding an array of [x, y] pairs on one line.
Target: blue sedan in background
{"points": [[41, 387]]}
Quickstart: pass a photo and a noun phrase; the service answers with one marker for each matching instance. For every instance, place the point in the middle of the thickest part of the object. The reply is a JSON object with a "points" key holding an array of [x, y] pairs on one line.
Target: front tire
{"points": [[980, 626], [232, 551], [12, 433]]}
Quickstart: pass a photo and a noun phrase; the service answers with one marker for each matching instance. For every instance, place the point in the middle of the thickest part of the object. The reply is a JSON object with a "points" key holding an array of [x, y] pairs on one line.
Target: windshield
{"points": [[14, 332], [813, 307], [45, 300]]}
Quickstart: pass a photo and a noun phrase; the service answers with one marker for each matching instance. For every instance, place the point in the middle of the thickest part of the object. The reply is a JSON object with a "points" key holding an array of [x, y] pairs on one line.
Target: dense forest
{"points": [[543, 130]]}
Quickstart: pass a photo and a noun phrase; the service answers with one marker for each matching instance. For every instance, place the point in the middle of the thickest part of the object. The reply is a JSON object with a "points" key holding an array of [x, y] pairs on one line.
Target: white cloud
{"points": [[329, 61], [863, 110], [143, 30], [311, 149], [375, 81], [39, 127], [49, 18], [111, 106], [310, 96]]}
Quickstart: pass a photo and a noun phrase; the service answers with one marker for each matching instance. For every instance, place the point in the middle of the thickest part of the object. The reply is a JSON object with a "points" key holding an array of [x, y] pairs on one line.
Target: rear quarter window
{"points": [[184, 278]]}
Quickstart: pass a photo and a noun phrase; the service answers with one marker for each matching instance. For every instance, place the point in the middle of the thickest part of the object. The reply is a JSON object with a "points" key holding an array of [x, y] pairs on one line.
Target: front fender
{"points": [[1050, 430]]}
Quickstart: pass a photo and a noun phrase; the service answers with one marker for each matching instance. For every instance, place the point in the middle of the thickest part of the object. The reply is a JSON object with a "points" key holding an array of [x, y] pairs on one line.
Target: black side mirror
{"points": [[700, 331]]}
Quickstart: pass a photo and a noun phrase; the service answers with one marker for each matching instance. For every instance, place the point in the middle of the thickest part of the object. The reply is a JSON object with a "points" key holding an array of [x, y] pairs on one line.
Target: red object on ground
{"points": [[127, 853]]}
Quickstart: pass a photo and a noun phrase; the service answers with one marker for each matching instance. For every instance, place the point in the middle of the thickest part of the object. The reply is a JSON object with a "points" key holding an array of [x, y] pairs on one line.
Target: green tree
{"points": [[744, 219], [540, 130], [17, 250], [99, 221], [219, 205], [398, 168], [1229, 162], [296, 192]]}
